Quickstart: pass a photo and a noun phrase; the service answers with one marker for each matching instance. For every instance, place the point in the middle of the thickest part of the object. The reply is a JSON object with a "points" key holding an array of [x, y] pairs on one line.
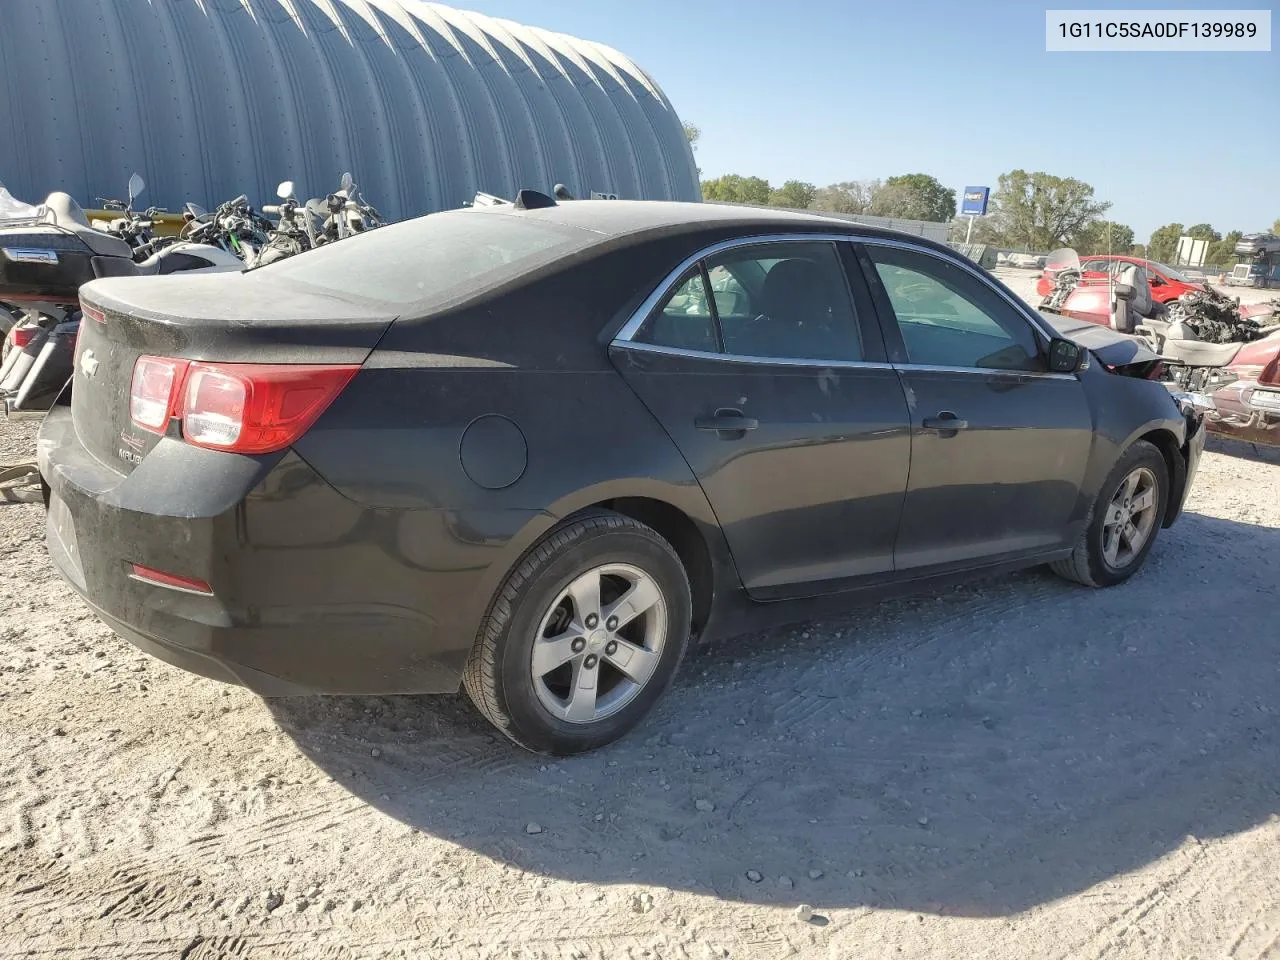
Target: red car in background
{"points": [[1166, 283]]}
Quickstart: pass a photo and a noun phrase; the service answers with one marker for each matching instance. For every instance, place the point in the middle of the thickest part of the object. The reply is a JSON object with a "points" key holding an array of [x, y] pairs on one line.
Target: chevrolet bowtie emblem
{"points": [[88, 364]]}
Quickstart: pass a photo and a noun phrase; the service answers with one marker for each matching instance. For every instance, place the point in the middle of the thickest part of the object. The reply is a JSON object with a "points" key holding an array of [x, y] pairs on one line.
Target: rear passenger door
{"points": [[999, 445], [771, 379]]}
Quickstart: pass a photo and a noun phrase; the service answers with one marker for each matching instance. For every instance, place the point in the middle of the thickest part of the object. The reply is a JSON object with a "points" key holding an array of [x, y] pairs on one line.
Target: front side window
{"points": [[949, 318]]}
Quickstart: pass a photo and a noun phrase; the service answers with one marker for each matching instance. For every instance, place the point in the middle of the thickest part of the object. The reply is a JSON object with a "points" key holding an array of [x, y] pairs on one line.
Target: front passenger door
{"points": [[998, 444]]}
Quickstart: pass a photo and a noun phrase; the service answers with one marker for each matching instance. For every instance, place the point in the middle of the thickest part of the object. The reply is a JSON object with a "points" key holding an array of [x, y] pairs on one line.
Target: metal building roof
{"points": [[424, 104]]}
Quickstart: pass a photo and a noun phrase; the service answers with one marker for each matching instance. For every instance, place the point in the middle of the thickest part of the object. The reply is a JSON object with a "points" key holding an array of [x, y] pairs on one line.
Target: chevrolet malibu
{"points": [[531, 450]]}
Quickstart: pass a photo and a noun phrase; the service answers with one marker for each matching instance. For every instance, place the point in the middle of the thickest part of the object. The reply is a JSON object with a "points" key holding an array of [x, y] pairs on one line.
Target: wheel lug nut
{"points": [[611, 623], [578, 645], [592, 620], [591, 661], [611, 648]]}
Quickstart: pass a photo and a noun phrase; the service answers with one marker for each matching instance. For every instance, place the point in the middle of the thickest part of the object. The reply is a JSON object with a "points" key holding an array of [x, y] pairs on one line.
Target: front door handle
{"points": [[728, 422], [946, 423]]}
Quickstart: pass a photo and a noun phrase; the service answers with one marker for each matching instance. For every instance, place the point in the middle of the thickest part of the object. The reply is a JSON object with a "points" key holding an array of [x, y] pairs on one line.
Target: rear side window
{"points": [[785, 300], [683, 320], [434, 258]]}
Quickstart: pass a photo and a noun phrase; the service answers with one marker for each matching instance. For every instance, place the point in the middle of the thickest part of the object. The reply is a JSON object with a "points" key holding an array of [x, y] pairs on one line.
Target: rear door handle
{"points": [[727, 420], [945, 422]]}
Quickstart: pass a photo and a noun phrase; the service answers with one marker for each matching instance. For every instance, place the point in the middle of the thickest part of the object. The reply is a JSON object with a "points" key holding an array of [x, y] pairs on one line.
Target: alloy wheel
{"points": [[599, 643], [1130, 519]]}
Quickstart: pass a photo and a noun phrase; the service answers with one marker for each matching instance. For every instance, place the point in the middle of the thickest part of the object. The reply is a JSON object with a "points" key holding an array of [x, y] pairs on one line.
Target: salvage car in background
{"points": [[1166, 283], [532, 449], [1227, 355]]}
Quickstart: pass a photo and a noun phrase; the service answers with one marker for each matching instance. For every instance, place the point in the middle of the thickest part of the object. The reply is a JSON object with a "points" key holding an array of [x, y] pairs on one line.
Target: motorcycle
{"points": [[344, 212], [44, 258], [234, 227], [295, 229], [1074, 295], [341, 214]]}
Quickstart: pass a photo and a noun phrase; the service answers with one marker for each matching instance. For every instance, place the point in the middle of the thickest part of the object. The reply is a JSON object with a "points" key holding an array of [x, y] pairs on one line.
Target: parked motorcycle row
{"points": [[47, 252], [1227, 356]]}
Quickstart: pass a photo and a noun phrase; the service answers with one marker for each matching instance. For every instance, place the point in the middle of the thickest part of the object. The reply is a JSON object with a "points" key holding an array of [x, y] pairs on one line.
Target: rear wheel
{"points": [[583, 637], [1123, 522]]}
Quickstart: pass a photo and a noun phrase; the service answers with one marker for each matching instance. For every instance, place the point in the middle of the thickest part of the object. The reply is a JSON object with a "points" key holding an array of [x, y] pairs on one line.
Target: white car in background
{"points": [[1028, 261]]}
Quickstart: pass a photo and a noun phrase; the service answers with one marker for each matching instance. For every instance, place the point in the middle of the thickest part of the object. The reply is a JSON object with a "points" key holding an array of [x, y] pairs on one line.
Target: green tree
{"points": [[1203, 231], [793, 193], [1138, 250], [914, 196], [693, 134], [735, 188], [1275, 227], [1223, 253], [1164, 242], [1041, 211], [849, 196], [1104, 237]]}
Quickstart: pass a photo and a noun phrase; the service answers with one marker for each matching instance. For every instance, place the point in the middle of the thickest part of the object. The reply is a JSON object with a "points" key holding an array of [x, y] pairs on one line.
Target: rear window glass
{"points": [[433, 258]]}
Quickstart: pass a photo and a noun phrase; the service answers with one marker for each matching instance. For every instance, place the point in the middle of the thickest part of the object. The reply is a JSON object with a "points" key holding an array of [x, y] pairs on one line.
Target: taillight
{"points": [[1271, 372], [93, 313], [257, 407], [238, 407], [22, 336], [153, 392]]}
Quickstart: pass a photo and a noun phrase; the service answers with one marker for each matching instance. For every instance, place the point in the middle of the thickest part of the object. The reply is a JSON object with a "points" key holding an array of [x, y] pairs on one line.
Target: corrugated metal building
{"points": [[424, 104]]}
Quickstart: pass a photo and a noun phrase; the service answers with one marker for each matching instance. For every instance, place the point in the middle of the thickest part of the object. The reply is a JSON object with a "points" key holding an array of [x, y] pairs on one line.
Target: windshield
{"points": [[1169, 272], [433, 258], [1063, 258]]}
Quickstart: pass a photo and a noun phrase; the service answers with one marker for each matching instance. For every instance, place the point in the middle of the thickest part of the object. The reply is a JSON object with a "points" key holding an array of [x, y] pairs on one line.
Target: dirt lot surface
{"points": [[1016, 768]]}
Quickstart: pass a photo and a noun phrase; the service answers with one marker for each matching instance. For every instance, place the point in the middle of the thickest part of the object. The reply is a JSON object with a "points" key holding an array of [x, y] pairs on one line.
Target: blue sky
{"points": [[829, 90]]}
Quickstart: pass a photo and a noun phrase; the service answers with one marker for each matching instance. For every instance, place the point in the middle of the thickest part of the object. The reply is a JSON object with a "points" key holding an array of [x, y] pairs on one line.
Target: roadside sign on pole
{"points": [[974, 201]]}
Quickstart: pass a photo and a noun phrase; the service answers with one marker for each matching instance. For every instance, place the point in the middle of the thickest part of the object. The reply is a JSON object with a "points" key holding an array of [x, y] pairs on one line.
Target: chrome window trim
{"points": [[743, 358], [985, 371], [624, 336]]}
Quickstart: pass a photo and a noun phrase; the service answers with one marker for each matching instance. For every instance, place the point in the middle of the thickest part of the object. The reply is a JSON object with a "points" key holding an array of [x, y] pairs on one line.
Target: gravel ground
{"points": [[1015, 768]]}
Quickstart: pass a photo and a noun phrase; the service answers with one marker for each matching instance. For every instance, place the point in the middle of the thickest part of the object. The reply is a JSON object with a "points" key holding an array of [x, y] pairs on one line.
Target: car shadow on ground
{"points": [[972, 752], [1231, 447]]}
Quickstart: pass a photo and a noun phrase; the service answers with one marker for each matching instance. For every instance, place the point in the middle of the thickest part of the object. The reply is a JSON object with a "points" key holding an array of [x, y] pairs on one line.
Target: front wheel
{"points": [[1123, 521], [583, 637]]}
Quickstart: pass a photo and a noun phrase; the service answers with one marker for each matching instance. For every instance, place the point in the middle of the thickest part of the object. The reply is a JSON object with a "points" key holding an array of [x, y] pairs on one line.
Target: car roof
{"points": [[621, 218]]}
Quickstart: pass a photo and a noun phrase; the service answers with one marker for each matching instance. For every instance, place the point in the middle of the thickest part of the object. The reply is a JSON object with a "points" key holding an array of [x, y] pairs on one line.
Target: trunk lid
{"points": [[230, 317]]}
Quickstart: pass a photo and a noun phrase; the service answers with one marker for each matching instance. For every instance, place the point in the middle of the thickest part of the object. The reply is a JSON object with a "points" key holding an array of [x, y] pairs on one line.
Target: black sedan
{"points": [[533, 450]]}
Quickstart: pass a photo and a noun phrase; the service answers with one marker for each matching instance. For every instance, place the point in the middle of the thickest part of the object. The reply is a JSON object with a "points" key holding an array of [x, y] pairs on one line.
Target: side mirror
{"points": [[285, 190], [1154, 280], [136, 186], [1125, 291], [1065, 356]]}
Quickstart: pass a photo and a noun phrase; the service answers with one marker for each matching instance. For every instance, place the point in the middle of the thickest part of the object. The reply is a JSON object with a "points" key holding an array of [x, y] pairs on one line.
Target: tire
{"points": [[546, 602], [1092, 563]]}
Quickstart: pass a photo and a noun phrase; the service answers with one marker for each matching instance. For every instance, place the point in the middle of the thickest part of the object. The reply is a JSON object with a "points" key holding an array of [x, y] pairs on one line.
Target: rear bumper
{"points": [[311, 592], [1248, 411]]}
